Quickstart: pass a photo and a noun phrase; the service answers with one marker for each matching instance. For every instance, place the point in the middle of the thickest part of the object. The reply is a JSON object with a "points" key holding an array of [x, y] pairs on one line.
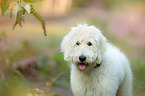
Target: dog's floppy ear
{"points": [[101, 46], [66, 47]]}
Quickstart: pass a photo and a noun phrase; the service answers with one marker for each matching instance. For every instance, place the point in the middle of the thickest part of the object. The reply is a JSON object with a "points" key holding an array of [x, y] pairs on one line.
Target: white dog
{"points": [[98, 68]]}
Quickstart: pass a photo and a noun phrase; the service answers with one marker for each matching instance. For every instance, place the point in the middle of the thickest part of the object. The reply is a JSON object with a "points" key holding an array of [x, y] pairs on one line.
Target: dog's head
{"points": [[84, 46]]}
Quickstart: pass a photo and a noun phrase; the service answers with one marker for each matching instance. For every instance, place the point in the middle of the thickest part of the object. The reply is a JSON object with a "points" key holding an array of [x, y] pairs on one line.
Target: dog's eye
{"points": [[89, 44], [78, 43]]}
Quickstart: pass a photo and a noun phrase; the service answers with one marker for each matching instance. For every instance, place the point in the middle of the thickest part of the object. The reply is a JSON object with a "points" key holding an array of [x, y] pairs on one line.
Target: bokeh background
{"points": [[26, 53]]}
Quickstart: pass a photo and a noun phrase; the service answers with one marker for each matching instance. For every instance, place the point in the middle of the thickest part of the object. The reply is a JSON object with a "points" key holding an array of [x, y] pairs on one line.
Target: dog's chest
{"points": [[84, 86], [91, 85]]}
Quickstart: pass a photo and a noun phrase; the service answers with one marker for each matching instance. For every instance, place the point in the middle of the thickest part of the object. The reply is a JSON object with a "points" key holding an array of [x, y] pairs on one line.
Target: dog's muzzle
{"points": [[82, 58], [82, 65]]}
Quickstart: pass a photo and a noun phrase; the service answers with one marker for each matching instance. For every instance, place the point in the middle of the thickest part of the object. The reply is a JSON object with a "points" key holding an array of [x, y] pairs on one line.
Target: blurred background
{"points": [[29, 56]]}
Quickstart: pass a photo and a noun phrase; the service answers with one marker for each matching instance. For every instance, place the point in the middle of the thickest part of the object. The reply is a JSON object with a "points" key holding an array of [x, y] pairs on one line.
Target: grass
{"points": [[48, 64], [17, 87], [139, 77]]}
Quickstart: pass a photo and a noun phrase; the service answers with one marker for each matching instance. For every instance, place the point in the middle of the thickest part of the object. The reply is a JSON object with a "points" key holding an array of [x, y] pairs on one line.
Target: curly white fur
{"points": [[112, 78]]}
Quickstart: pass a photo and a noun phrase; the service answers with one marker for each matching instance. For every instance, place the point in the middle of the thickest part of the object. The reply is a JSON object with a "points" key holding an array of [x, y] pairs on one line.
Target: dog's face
{"points": [[83, 46], [84, 52]]}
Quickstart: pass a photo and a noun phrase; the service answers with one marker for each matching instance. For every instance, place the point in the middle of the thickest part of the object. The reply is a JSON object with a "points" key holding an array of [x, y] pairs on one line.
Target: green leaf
{"points": [[16, 10], [31, 1], [27, 8], [38, 17], [11, 13], [4, 6], [18, 21], [23, 10], [22, 17]]}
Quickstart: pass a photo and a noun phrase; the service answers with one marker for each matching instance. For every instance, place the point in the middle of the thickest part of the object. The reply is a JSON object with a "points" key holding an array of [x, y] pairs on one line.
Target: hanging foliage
{"points": [[19, 12]]}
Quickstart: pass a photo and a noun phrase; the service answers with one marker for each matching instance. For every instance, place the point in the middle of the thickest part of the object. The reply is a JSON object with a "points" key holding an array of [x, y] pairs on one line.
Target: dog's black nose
{"points": [[82, 58]]}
